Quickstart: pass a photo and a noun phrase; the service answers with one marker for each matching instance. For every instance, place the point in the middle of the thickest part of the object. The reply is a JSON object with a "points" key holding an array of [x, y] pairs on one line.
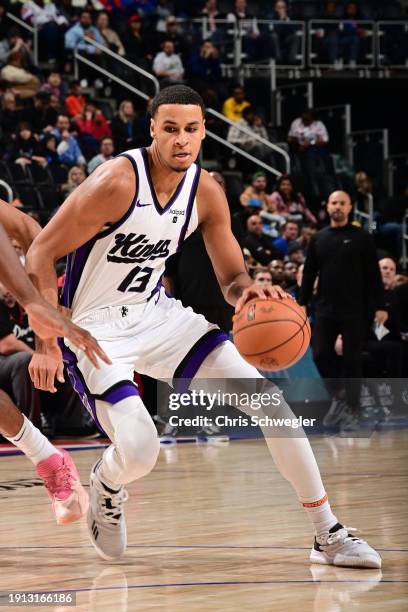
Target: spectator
{"points": [[386, 353], [179, 39], [76, 176], [350, 34], [290, 232], [308, 135], [10, 115], [306, 233], [277, 269], [124, 127], [252, 122], [204, 72], [110, 37], [68, 148], [235, 104], [75, 101], [75, 36], [44, 115], [17, 73], [50, 25], [285, 40], [49, 149], [263, 277], [167, 65], [54, 85], [137, 45], [259, 245], [93, 122], [216, 30], [295, 253], [26, 148], [290, 271], [252, 42], [105, 153], [289, 203], [344, 258], [256, 191], [162, 11]]}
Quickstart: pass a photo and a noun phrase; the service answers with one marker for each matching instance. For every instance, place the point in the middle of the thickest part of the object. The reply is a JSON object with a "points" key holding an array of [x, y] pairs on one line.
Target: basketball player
{"points": [[56, 468], [119, 226]]}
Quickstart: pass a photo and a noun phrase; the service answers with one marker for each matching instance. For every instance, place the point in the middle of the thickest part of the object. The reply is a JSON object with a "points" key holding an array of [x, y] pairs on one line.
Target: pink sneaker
{"points": [[69, 499]]}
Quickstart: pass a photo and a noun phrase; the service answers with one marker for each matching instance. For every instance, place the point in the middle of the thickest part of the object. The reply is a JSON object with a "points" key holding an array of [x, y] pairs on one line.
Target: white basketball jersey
{"points": [[124, 263]]}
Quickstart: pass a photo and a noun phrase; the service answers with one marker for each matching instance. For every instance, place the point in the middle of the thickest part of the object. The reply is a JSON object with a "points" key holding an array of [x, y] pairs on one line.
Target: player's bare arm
{"points": [[18, 225], [224, 250], [102, 199]]}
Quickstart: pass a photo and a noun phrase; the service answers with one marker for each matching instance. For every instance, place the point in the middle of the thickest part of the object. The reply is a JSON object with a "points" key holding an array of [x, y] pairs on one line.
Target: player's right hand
{"points": [[46, 364]]}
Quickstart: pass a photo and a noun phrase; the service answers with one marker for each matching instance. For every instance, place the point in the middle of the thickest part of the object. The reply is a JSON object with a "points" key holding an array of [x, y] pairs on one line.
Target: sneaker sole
{"points": [[83, 499], [355, 562]]}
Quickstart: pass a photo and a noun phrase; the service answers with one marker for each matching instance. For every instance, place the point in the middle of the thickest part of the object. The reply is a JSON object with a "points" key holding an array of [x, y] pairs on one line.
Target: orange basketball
{"points": [[271, 334]]}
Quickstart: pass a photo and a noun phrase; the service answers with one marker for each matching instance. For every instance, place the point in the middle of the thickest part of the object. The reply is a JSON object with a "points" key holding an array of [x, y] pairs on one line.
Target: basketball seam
{"points": [[278, 345]]}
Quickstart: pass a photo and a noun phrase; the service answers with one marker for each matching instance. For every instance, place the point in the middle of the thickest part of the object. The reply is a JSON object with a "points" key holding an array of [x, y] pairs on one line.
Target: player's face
{"points": [[177, 131]]}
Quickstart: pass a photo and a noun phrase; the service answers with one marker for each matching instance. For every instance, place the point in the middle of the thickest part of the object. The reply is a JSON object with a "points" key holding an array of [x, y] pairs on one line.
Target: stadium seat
{"points": [[59, 173], [304, 10], [19, 173], [28, 196], [39, 175]]}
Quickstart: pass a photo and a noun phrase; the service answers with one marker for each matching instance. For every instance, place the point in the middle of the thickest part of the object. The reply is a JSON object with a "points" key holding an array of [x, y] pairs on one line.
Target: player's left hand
{"points": [[264, 293]]}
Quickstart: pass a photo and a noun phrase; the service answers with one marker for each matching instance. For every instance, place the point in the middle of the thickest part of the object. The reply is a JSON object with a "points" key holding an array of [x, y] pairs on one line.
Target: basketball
{"points": [[271, 334]]}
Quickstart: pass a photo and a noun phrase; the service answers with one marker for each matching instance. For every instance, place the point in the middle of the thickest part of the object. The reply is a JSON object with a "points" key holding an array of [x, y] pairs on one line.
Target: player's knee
{"points": [[138, 443]]}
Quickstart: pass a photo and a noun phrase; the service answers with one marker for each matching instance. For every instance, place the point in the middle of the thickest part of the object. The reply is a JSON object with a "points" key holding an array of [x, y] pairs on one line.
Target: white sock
{"points": [[33, 443], [321, 515]]}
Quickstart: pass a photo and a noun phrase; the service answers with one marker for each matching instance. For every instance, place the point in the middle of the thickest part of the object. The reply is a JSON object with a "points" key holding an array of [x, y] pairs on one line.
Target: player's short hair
{"points": [[177, 94]]}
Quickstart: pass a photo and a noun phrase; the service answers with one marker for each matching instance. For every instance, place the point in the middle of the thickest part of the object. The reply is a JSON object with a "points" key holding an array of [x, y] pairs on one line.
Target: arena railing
{"points": [[124, 62], [396, 27], [33, 31], [366, 218], [8, 190], [267, 143], [85, 60], [316, 33], [395, 164]]}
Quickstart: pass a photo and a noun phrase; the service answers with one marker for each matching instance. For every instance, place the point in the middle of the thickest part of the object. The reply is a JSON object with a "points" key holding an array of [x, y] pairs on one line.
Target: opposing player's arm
{"points": [[222, 247], [18, 225], [102, 198]]}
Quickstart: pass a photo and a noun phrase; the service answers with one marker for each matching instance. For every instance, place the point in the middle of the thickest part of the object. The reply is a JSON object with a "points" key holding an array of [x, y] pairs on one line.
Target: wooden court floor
{"points": [[217, 528]]}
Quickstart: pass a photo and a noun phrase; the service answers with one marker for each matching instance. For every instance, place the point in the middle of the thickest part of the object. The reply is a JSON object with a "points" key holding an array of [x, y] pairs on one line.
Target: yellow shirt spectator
{"points": [[233, 106]]}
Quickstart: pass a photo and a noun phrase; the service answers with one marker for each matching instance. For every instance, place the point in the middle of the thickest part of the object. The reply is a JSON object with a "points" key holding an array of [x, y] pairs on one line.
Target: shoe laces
{"points": [[111, 506], [340, 535], [59, 480]]}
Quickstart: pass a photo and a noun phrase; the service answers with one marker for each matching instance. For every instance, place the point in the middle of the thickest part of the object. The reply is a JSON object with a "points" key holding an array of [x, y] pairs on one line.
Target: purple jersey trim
{"points": [[160, 209], [189, 208]]}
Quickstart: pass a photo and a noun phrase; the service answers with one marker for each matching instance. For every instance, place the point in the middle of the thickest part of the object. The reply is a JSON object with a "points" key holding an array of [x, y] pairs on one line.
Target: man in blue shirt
{"points": [[290, 232]]}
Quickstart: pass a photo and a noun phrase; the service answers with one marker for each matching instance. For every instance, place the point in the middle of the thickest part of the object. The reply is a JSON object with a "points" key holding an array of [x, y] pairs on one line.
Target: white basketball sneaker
{"points": [[338, 547], [106, 519]]}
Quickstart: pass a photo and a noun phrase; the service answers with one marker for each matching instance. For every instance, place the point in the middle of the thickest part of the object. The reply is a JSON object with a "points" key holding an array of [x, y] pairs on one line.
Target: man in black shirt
{"points": [[344, 259], [259, 244]]}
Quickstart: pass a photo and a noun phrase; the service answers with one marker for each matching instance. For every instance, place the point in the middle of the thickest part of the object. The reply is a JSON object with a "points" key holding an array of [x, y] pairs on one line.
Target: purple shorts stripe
{"points": [[79, 385], [116, 395], [197, 354]]}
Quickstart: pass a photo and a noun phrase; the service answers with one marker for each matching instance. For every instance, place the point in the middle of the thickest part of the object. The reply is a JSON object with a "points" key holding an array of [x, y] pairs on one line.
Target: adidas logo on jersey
{"points": [[134, 248]]}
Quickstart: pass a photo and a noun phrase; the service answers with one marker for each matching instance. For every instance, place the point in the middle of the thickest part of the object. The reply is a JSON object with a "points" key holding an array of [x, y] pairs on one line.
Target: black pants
{"points": [[16, 382], [329, 364]]}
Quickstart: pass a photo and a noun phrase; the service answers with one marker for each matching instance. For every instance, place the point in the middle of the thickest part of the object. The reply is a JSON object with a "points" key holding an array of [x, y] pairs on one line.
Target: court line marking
{"points": [[220, 583], [183, 547]]}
